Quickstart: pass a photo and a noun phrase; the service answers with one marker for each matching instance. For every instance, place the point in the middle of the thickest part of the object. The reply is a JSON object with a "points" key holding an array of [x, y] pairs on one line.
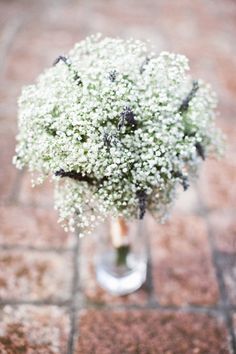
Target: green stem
{"points": [[122, 254]]}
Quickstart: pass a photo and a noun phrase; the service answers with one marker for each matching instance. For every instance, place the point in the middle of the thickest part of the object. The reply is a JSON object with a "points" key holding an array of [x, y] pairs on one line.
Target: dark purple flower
{"points": [[127, 116], [185, 104]]}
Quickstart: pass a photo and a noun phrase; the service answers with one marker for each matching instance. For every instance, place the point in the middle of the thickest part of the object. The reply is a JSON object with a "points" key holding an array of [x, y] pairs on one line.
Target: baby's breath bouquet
{"points": [[117, 128]]}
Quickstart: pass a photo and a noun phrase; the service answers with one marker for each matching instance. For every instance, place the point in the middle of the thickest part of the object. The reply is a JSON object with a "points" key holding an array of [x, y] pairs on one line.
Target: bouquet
{"points": [[117, 128]]}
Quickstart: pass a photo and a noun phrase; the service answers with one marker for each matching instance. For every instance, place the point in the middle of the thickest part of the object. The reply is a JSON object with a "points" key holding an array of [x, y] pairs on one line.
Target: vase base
{"points": [[121, 280]]}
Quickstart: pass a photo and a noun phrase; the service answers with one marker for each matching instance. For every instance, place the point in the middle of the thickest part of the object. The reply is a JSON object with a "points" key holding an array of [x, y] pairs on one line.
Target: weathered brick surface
{"points": [[26, 275], [103, 332], [8, 100], [9, 12], [40, 195], [183, 272], [33, 266], [32, 227], [33, 45], [33, 330], [217, 184], [7, 171], [217, 179], [223, 228], [187, 202]]}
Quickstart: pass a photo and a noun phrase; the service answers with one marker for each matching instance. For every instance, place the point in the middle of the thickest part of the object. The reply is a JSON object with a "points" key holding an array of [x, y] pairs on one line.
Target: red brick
{"points": [[9, 11], [187, 202], [223, 226], [40, 195], [150, 332], [33, 227], [32, 50], [217, 179], [217, 184], [7, 170], [92, 291], [34, 330], [35, 275], [182, 267], [228, 128], [8, 99]]}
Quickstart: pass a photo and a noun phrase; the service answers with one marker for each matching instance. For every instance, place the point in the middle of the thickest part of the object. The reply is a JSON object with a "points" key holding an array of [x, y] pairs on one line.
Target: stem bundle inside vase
{"points": [[120, 239]]}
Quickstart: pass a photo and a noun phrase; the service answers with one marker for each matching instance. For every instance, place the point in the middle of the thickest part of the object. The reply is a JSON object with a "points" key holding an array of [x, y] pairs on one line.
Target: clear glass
{"points": [[121, 261]]}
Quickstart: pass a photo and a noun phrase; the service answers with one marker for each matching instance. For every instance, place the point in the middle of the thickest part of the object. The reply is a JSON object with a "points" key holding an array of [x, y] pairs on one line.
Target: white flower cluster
{"points": [[117, 127]]}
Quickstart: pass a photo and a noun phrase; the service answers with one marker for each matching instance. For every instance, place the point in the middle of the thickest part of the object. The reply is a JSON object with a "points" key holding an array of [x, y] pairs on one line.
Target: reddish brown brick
{"points": [[35, 275], [7, 170], [217, 178], [34, 227], [187, 202], [217, 184], [10, 10], [91, 290], [32, 50], [150, 332], [34, 330], [40, 195], [8, 100], [229, 129], [182, 267], [223, 226]]}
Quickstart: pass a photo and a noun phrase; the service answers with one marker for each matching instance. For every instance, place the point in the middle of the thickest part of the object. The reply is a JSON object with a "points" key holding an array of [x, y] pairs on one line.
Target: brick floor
{"points": [[32, 227], [183, 272], [27, 275], [49, 299], [31, 329], [150, 332]]}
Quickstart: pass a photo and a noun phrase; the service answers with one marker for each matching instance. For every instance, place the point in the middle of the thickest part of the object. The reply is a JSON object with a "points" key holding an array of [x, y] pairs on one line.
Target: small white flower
{"points": [[72, 124]]}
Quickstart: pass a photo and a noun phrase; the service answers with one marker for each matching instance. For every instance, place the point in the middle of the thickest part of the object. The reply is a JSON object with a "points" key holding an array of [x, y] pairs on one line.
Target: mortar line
{"points": [[211, 310], [28, 248], [45, 302], [218, 309], [225, 305], [222, 289]]}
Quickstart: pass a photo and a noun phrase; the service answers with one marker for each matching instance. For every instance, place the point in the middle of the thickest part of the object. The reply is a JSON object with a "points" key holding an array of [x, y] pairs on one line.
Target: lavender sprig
{"points": [[127, 116], [142, 201], [185, 104], [200, 150]]}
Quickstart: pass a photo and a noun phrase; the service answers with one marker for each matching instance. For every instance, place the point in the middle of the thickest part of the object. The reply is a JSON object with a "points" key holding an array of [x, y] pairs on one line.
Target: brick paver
{"points": [[32, 227], [31, 329], [49, 299], [28, 276], [7, 171], [183, 272], [150, 332], [39, 195]]}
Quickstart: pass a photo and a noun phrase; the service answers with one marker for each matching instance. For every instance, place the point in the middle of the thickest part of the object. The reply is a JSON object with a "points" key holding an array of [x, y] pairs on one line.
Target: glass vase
{"points": [[121, 261]]}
